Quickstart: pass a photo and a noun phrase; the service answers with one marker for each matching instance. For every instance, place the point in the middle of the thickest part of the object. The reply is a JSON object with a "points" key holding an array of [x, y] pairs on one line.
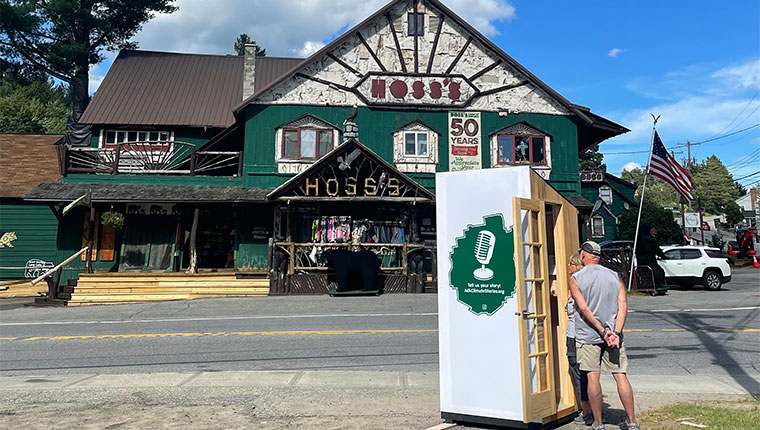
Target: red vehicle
{"points": [[744, 245], [705, 226]]}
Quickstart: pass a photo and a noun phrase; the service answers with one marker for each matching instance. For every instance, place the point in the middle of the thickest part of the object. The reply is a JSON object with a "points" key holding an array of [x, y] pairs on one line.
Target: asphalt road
{"points": [[683, 333]]}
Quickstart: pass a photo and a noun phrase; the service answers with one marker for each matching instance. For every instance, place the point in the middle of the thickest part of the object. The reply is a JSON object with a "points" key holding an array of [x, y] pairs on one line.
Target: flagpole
{"points": [[641, 203]]}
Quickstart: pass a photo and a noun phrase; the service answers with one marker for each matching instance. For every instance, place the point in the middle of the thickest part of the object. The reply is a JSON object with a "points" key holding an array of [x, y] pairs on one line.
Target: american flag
{"points": [[665, 167]]}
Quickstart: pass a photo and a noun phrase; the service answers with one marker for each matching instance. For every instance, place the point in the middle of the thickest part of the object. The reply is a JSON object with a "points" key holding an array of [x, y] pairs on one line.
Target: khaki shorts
{"points": [[593, 358]]}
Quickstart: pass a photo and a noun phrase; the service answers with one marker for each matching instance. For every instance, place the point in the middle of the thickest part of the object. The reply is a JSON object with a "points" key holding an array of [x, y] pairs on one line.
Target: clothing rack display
{"points": [[341, 229]]}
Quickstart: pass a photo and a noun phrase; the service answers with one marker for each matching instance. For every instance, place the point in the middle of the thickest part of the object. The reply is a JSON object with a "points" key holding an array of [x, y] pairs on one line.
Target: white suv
{"points": [[687, 266]]}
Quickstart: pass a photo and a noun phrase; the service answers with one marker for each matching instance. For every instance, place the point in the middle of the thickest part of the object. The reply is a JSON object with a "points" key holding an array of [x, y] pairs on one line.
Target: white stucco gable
{"points": [[447, 65]]}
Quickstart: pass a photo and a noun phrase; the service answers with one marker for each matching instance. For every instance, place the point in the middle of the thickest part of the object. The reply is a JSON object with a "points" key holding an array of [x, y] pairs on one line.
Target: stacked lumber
{"points": [[21, 288], [112, 288]]}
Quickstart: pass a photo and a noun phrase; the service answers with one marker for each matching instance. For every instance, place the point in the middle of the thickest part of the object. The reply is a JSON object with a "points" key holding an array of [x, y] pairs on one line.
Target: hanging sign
{"points": [[464, 141]]}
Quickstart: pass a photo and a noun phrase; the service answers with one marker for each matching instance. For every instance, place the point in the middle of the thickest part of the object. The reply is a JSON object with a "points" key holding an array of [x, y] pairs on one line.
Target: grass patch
{"points": [[637, 293], [743, 415]]}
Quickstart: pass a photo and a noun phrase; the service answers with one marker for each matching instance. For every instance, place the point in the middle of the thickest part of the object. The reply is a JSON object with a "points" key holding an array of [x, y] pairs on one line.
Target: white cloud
{"points": [[696, 102], [745, 75], [283, 27], [615, 52], [482, 13], [630, 166], [309, 47]]}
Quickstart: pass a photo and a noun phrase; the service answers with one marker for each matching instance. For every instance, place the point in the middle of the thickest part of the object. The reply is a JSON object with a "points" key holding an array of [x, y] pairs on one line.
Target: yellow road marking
{"points": [[233, 333], [319, 332]]}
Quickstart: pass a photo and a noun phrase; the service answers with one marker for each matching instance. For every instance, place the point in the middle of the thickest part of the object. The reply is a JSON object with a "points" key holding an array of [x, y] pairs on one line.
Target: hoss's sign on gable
{"points": [[415, 90]]}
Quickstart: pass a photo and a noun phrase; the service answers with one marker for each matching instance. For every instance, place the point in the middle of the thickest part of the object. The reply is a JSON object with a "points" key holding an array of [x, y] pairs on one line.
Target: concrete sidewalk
{"points": [[696, 384], [279, 400]]}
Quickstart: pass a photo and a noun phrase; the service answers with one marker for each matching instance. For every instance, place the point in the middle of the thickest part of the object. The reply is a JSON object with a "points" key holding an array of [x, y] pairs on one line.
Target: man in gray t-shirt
{"points": [[601, 309]]}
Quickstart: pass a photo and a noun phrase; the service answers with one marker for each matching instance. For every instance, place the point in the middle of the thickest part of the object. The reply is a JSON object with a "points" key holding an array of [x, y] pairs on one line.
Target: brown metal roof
{"points": [[28, 160], [165, 88], [269, 69]]}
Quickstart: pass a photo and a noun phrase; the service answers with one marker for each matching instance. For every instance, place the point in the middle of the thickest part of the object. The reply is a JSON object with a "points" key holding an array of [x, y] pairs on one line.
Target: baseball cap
{"points": [[591, 247]]}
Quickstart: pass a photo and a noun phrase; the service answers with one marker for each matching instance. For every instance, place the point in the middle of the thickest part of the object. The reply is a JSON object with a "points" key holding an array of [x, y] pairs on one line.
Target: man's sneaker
{"points": [[601, 427], [632, 426], [579, 419]]}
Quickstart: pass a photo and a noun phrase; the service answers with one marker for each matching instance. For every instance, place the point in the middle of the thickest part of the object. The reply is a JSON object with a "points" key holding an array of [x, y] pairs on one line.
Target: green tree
{"points": [[658, 191], [244, 39], [713, 185], [654, 215], [734, 213], [591, 159], [64, 37], [30, 102]]}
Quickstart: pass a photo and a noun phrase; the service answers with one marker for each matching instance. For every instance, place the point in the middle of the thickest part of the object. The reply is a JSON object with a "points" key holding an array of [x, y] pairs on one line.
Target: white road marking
{"points": [[251, 317], [745, 308]]}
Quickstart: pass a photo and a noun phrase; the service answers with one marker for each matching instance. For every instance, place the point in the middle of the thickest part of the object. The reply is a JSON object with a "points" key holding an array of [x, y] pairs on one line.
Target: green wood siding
{"points": [[591, 192], [36, 229], [252, 251], [376, 127]]}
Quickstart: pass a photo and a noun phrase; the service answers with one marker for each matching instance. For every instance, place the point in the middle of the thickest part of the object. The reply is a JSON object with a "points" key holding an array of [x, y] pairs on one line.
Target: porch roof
{"points": [[115, 193]]}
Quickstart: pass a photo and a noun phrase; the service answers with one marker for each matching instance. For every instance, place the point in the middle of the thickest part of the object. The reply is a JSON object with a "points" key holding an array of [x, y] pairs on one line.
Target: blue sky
{"points": [[695, 63]]}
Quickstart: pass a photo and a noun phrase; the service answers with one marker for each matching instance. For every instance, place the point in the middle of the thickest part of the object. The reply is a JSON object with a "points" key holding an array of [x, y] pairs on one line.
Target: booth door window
{"points": [[534, 306]]}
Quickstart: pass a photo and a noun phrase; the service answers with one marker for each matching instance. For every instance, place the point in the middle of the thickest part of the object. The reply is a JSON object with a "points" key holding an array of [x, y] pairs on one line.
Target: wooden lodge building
{"points": [[255, 165]]}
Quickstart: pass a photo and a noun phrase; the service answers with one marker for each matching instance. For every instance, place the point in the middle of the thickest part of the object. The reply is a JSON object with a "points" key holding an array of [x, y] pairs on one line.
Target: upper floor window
{"points": [[419, 29], [521, 149], [306, 143], [522, 144], [605, 193], [416, 144], [113, 137], [302, 141], [415, 148]]}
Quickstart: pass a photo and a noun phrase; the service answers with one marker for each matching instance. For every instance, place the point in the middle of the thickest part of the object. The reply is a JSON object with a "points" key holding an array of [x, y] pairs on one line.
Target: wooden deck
{"points": [[113, 288]]}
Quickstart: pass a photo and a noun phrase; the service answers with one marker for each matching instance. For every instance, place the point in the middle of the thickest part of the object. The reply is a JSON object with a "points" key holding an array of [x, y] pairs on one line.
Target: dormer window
{"points": [[521, 149], [415, 148], [416, 143], [300, 142], [522, 144], [306, 143]]}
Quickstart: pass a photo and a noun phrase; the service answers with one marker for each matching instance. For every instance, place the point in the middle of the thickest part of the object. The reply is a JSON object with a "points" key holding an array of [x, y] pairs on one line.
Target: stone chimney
{"points": [[753, 198], [249, 70]]}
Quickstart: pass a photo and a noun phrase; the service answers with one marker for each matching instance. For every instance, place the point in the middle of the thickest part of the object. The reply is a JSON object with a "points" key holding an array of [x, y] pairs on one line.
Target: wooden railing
{"points": [[304, 256], [150, 157]]}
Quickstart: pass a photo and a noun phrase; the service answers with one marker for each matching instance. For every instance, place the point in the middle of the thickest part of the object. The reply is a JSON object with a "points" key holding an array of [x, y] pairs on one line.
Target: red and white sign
{"points": [[464, 141], [429, 90]]}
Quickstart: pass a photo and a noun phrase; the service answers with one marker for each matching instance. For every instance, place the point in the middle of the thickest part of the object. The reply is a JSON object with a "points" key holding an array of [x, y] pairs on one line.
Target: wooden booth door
{"points": [[534, 310]]}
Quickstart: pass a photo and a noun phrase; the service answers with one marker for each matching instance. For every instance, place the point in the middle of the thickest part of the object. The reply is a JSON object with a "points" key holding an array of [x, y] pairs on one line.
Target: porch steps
{"points": [[113, 288], [21, 288]]}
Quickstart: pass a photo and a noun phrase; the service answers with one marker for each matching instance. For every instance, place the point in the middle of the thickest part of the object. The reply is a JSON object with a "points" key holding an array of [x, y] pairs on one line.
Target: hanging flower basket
{"points": [[115, 220]]}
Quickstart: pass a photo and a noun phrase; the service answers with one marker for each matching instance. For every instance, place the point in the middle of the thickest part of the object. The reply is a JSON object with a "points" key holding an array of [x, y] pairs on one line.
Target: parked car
{"points": [[610, 244], [705, 225], [687, 266]]}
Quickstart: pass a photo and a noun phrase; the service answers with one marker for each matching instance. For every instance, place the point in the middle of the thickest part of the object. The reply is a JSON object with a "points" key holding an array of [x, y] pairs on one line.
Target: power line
{"points": [[729, 135], [748, 176], [735, 118]]}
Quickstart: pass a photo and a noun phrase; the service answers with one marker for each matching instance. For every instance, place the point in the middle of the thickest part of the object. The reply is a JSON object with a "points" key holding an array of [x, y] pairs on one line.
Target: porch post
{"points": [[90, 236], [193, 251]]}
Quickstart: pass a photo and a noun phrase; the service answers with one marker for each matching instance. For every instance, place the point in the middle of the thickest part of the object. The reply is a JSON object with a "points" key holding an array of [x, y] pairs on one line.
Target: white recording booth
{"points": [[504, 240]]}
